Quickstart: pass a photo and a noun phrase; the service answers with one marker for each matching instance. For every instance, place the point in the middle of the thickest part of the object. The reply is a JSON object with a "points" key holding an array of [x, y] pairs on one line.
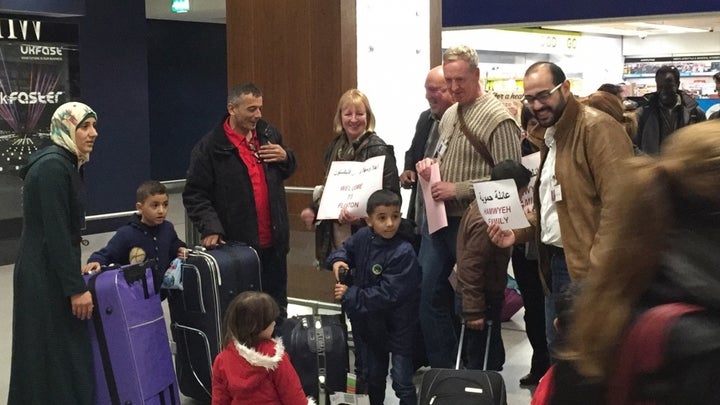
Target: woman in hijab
{"points": [[51, 354]]}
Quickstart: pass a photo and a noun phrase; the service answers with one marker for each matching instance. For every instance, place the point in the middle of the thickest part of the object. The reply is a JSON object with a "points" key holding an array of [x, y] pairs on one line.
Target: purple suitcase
{"points": [[131, 350]]}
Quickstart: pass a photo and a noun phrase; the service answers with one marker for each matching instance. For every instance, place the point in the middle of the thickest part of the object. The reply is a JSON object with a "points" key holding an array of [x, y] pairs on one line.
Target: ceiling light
{"points": [[667, 29], [593, 29], [179, 6]]}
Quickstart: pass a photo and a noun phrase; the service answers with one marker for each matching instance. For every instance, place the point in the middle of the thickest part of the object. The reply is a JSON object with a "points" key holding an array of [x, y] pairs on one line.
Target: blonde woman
{"points": [[355, 140]]}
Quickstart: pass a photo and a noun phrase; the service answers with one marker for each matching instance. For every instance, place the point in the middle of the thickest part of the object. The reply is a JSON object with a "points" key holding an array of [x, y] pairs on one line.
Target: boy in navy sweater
{"points": [[147, 236], [382, 300]]}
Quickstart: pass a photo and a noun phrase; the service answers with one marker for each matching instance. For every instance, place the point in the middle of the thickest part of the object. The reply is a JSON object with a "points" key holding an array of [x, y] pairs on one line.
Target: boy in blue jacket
{"points": [[381, 296], [147, 236]]}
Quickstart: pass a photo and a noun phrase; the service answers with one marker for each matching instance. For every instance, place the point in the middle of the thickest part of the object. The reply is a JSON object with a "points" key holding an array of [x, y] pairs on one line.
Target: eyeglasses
{"points": [[541, 96]]}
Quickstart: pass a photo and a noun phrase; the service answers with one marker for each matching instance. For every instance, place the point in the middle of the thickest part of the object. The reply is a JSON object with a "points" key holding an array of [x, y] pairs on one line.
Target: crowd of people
{"points": [[625, 214]]}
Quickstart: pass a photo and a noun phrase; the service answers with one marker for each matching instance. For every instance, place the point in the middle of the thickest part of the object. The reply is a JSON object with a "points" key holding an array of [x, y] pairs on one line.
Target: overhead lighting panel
{"points": [[667, 29], [180, 6]]}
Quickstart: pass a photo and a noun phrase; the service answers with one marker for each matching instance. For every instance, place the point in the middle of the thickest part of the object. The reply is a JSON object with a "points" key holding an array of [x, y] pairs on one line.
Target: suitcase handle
{"points": [[489, 324]]}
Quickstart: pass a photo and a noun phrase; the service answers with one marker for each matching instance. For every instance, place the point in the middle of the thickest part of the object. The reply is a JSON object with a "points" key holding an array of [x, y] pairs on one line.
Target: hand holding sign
{"points": [[348, 186], [499, 204]]}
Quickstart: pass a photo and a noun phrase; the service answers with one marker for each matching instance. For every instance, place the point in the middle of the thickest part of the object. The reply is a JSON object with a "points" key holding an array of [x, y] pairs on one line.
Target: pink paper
{"points": [[435, 210]]}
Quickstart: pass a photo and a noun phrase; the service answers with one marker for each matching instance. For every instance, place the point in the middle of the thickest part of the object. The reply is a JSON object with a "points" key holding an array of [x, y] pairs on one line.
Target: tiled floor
{"points": [[518, 349]]}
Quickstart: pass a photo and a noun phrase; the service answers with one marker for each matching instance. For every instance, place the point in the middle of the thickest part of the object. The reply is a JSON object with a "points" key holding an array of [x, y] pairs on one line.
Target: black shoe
{"points": [[530, 379]]}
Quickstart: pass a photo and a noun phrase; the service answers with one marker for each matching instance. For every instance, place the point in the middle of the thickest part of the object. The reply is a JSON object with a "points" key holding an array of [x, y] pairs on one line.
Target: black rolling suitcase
{"points": [[211, 279], [318, 349], [463, 387]]}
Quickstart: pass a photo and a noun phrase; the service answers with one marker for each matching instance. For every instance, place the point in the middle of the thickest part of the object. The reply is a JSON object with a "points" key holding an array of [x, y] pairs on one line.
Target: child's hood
{"points": [[265, 357]]}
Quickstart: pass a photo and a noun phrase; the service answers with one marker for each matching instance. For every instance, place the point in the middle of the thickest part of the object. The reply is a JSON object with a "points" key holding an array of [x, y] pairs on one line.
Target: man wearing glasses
{"points": [[581, 149], [664, 111]]}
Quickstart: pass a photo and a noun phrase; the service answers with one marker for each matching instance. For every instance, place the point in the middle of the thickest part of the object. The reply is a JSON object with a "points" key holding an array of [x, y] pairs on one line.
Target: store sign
{"points": [[24, 30], [523, 40], [689, 66]]}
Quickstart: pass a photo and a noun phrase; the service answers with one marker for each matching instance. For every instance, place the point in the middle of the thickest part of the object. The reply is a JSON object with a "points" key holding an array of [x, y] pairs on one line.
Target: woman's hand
{"points": [[308, 217], [347, 218], [82, 305], [90, 268]]}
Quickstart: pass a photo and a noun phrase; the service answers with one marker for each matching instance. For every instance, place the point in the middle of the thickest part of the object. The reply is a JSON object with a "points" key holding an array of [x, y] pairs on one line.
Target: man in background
{"points": [[664, 111], [716, 78], [425, 142]]}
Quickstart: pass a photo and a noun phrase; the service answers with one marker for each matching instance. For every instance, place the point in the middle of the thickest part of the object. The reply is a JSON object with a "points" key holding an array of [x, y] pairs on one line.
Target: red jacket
{"points": [[260, 376]]}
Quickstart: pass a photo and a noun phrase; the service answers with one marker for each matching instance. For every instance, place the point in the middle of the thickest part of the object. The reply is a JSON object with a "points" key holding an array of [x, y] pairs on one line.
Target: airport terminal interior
{"points": [[518, 350], [630, 49]]}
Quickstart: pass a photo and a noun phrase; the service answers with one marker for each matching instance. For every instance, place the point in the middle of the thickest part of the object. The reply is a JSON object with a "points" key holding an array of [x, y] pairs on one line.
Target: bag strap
{"points": [[479, 146], [321, 360], [102, 341], [643, 348]]}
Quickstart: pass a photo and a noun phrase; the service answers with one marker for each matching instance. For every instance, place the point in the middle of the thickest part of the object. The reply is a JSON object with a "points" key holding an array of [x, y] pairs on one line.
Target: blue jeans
{"points": [[401, 373], [560, 278], [437, 300]]}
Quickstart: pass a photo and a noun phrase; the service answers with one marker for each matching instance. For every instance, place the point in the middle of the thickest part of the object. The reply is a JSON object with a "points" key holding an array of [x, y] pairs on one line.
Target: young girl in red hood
{"points": [[254, 368]]}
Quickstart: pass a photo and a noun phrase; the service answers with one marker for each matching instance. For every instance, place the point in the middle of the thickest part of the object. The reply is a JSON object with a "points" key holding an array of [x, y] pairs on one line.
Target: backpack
{"points": [[643, 349]]}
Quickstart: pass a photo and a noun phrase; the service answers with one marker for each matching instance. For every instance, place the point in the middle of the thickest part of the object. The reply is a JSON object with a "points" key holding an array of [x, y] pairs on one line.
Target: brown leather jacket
{"points": [[481, 266], [590, 146]]}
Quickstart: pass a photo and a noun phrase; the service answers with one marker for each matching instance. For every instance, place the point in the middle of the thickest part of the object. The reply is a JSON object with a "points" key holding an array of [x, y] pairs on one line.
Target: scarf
{"points": [[64, 123]]}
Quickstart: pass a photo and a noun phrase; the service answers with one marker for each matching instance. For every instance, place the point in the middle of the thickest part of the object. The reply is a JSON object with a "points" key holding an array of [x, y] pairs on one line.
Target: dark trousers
{"points": [[274, 279], [528, 278], [437, 299], [401, 374], [476, 340]]}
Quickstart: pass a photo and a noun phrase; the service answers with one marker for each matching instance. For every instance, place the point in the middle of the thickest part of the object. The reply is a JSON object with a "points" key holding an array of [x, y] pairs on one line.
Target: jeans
{"points": [[437, 299], [528, 278], [560, 278], [274, 279], [401, 374]]}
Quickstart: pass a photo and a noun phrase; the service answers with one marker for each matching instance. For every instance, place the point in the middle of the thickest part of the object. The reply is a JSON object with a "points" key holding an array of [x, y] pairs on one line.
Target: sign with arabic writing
{"points": [[499, 203], [349, 185]]}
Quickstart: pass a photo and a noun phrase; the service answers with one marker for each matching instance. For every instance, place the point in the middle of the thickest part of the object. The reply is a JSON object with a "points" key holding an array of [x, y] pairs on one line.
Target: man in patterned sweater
{"points": [[475, 132]]}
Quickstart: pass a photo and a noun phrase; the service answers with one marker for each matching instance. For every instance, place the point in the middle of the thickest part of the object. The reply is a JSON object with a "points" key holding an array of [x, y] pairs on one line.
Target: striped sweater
{"points": [[489, 120]]}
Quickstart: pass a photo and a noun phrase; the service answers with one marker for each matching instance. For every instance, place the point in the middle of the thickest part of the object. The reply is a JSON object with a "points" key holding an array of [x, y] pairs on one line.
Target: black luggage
{"points": [[211, 279], [463, 387], [318, 349]]}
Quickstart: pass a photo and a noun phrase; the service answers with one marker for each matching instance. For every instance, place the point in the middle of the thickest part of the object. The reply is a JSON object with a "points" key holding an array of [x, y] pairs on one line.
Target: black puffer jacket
{"points": [[218, 194]]}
